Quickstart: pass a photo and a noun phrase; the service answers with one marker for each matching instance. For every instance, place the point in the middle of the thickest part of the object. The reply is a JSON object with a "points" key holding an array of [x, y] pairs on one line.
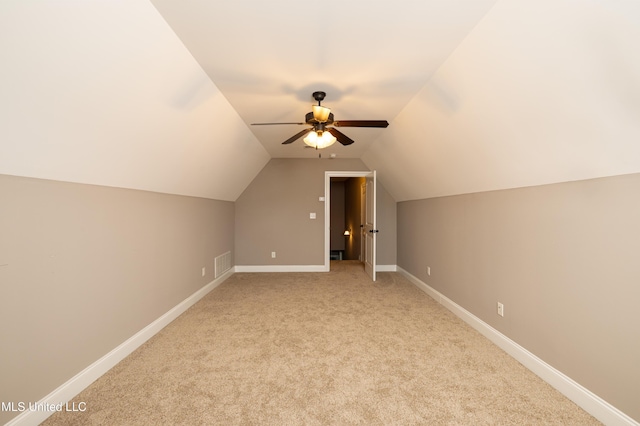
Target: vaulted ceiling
{"points": [[160, 95]]}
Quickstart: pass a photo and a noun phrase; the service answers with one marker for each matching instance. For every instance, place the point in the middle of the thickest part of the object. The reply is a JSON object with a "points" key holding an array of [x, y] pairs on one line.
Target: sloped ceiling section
{"points": [[370, 57], [105, 93], [159, 95], [540, 92]]}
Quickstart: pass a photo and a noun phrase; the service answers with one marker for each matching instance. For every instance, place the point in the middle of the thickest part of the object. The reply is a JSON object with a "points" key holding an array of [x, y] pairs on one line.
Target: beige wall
{"points": [[386, 218], [562, 258], [83, 268], [272, 214]]}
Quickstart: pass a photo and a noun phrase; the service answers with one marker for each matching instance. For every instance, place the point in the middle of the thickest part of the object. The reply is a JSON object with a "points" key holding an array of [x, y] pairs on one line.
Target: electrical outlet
{"points": [[500, 309], [273, 254], [204, 271]]}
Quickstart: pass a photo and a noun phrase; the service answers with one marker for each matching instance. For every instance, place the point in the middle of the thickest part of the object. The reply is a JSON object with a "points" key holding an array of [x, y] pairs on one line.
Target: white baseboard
{"points": [[280, 268], [583, 397], [82, 380], [386, 268], [300, 268]]}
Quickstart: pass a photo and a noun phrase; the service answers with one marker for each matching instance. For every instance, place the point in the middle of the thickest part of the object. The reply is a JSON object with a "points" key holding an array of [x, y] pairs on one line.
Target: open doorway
{"points": [[354, 213], [345, 222]]}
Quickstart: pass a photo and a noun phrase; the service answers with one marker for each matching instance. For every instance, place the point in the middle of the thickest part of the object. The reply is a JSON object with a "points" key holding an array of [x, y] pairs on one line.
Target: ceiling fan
{"points": [[323, 132]]}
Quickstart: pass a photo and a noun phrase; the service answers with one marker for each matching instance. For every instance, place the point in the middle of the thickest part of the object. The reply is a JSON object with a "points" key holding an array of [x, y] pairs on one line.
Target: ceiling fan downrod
{"points": [[320, 114]]}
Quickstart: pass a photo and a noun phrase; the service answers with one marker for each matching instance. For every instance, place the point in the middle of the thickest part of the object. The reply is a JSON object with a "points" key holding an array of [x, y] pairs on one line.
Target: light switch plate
{"points": [[312, 215]]}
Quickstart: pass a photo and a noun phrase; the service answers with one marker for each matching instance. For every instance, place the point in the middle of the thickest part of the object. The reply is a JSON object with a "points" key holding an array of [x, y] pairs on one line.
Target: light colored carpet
{"points": [[320, 349]]}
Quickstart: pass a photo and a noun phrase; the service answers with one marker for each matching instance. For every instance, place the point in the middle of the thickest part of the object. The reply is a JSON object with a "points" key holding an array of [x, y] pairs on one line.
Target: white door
{"points": [[369, 230], [363, 219]]}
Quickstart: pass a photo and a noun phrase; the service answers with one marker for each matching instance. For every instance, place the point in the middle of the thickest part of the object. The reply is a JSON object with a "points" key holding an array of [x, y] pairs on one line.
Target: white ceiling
{"points": [[370, 57], [160, 95], [541, 92]]}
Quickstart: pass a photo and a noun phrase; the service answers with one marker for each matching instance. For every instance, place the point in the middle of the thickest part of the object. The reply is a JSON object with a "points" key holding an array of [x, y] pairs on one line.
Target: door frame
{"points": [[327, 207], [370, 226]]}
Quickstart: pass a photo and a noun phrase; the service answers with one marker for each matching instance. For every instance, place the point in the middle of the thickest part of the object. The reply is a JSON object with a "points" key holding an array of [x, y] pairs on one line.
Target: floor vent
{"points": [[223, 263]]}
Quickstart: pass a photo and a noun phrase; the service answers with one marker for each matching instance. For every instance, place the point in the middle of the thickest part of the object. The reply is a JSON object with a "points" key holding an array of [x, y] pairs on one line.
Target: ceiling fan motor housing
{"points": [[320, 128]]}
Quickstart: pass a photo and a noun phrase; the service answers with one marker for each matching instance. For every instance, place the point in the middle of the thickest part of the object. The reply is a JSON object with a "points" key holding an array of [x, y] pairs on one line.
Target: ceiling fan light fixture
{"points": [[320, 113], [319, 142]]}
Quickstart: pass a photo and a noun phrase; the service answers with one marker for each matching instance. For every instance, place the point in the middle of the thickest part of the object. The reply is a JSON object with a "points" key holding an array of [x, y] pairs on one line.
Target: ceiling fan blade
{"points": [[273, 124], [361, 123], [341, 137], [295, 137]]}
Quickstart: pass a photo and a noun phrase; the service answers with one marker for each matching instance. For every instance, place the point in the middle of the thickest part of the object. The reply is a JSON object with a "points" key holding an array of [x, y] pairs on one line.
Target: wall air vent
{"points": [[222, 264]]}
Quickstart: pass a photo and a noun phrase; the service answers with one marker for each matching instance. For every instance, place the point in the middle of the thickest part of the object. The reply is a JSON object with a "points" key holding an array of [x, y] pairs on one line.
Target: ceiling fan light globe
{"points": [[320, 113], [319, 142]]}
